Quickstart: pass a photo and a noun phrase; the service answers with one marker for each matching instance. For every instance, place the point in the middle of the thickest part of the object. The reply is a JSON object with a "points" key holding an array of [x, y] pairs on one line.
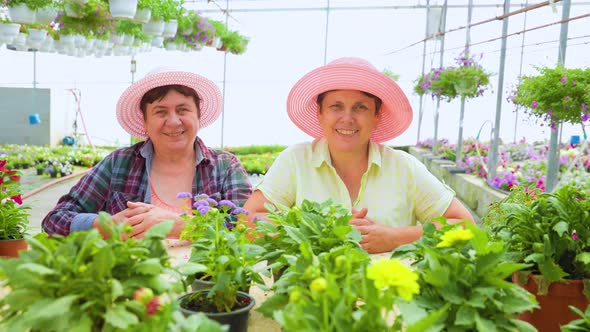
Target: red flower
{"points": [[17, 199]]}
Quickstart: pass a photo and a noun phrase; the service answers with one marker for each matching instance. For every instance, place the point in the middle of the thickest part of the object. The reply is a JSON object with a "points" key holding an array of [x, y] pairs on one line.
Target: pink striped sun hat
{"points": [[349, 74], [129, 113]]}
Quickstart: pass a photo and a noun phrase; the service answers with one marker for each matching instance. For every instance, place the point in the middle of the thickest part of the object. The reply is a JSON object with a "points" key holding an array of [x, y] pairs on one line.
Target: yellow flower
{"points": [[318, 285], [388, 273], [450, 238]]}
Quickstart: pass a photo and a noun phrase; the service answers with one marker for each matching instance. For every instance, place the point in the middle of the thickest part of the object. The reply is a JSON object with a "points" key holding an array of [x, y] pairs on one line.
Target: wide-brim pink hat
{"points": [[129, 113], [349, 74]]}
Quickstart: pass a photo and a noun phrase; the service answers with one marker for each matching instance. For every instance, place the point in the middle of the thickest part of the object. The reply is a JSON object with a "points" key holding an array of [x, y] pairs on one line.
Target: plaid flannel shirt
{"points": [[123, 176]]}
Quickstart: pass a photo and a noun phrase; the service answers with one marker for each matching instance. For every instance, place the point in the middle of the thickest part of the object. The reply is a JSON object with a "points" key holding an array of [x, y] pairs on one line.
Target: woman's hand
{"points": [[142, 216], [377, 237]]}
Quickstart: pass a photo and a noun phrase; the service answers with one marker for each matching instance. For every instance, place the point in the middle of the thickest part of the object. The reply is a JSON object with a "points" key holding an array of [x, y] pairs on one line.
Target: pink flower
{"points": [[534, 104], [153, 306], [563, 79], [575, 236]]}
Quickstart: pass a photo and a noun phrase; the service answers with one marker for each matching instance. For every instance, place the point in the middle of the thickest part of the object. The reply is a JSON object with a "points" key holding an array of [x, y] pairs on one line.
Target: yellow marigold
{"points": [[450, 238], [392, 273]]}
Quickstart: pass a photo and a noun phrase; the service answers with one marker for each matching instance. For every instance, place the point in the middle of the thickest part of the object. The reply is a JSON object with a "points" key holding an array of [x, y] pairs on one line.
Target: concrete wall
{"points": [[475, 193], [16, 104]]}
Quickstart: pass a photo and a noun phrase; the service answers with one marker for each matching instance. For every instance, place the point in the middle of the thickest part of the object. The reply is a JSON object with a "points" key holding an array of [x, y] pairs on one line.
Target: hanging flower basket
{"points": [[468, 79], [555, 95]]}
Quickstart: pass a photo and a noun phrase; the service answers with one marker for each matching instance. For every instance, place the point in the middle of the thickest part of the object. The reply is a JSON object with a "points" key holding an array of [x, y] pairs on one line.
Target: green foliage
{"points": [[391, 74], [255, 149], [555, 95], [468, 80], [321, 225], [32, 4], [462, 269], [550, 231], [258, 163], [14, 217], [340, 290], [578, 325], [166, 10], [225, 256], [83, 282]]}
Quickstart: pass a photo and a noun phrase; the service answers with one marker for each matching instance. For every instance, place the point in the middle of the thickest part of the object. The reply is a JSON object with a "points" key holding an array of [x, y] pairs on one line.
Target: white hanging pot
{"points": [[123, 8], [46, 15], [9, 30], [128, 40], [67, 40], [171, 47], [157, 41], [36, 37], [142, 15], [21, 14], [170, 29], [153, 28]]}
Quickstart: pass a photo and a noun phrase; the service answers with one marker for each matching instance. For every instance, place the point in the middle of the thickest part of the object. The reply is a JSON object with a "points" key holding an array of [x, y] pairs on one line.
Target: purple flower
{"points": [[197, 204], [226, 205], [201, 196], [240, 210], [574, 83], [203, 209], [184, 194], [534, 104], [575, 236], [563, 79], [211, 202]]}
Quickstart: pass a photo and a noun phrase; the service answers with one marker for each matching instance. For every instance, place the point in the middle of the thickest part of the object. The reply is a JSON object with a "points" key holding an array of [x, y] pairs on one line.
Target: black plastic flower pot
{"points": [[237, 319]]}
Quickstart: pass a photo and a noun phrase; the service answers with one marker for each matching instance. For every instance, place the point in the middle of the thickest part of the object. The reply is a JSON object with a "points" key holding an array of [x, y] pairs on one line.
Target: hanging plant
{"points": [[555, 95], [468, 79]]}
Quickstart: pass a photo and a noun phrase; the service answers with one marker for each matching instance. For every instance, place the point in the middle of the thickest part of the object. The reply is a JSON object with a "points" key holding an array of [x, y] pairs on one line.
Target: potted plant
{"points": [[551, 232], [87, 283], [14, 216], [229, 261], [466, 80], [463, 270], [343, 290], [23, 11], [322, 225]]}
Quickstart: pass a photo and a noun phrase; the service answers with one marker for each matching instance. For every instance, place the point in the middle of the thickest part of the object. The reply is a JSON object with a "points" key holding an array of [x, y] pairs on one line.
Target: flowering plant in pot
{"points": [[550, 231], [467, 79], [220, 245], [320, 225], [14, 216], [555, 95], [462, 270], [83, 282]]}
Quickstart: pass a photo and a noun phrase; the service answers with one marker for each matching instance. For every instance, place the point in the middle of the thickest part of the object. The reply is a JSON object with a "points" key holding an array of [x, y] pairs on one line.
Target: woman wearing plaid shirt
{"points": [[138, 185]]}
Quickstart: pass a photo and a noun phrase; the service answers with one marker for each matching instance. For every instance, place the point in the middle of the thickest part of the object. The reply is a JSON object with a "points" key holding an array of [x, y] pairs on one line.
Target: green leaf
{"points": [[51, 308], [483, 324], [427, 322], [437, 276], [518, 300], [583, 258], [35, 268], [119, 317], [522, 326], [19, 299], [103, 262], [465, 316], [506, 269], [191, 268], [551, 271], [82, 324], [295, 234], [149, 266], [274, 303], [561, 227], [116, 289], [160, 230]]}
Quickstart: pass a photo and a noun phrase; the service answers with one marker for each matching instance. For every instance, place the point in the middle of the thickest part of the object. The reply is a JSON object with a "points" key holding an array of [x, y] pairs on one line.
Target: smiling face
{"points": [[172, 121], [348, 118]]}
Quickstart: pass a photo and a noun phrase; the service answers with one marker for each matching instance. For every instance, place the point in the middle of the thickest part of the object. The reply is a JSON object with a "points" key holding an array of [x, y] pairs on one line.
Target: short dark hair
{"points": [[160, 92], [378, 101]]}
